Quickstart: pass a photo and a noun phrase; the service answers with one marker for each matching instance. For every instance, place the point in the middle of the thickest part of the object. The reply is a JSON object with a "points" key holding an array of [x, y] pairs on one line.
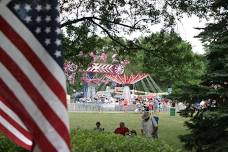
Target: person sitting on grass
{"points": [[98, 127], [122, 130]]}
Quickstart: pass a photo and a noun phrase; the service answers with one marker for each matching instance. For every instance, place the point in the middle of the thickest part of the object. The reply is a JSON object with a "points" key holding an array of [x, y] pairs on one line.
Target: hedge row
{"points": [[90, 141], [7, 146]]}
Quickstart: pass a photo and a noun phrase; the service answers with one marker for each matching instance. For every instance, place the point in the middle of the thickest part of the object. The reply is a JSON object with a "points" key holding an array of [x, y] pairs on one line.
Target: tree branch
{"points": [[124, 46], [137, 47], [75, 21], [144, 19], [113, 22], [108, 33]]}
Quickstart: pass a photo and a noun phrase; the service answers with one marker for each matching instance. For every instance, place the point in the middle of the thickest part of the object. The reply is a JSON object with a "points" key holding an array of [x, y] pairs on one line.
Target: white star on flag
{"points": [[58, 42], [58, 31], [47, 41], [48, 18], [47, 29], [17, 7], [28, 19], [38, 8], [58, 8], [38, 19], [48, 7], [27, 7], [38, 30], [57, 19], [57, 53]]}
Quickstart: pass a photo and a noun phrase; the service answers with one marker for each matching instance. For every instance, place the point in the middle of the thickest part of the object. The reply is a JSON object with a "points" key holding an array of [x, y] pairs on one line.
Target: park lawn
{"points": [[170, 127]]}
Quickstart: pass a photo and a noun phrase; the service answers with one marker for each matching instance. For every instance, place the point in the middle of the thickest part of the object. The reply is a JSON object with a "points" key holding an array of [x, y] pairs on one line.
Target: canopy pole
{"points": [[152, 86], [155, 85], [144, 86]]}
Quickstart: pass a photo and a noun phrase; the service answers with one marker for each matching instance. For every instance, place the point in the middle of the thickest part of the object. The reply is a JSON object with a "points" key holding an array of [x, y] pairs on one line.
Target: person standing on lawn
{"points": [[149, 125]]}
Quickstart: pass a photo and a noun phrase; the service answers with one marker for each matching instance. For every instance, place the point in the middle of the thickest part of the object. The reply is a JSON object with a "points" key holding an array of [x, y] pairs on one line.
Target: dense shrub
{"points": [[90, 141], [7, 146]]}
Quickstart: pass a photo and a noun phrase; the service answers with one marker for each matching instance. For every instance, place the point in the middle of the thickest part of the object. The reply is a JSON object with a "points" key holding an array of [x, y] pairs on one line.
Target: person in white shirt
{"points": [[149, 125], [202, 104]]}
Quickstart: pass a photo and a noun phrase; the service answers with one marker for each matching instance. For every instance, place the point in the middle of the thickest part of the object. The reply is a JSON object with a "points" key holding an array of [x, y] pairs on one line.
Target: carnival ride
{"points": [[93, 76], [70, 71], [152, 89], [100, 74]]}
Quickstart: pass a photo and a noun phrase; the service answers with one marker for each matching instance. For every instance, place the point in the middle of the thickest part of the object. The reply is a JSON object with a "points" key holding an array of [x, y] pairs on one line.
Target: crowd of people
{"points": [[137, 104], [204, 104], [149, 127], [153, 105]]}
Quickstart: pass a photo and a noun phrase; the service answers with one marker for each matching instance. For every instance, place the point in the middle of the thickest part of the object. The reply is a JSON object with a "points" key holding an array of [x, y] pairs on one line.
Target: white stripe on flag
{"points": [[3, 3], [34, 77], [14, 131], [43, 55], [47, 129], [10, 113]]}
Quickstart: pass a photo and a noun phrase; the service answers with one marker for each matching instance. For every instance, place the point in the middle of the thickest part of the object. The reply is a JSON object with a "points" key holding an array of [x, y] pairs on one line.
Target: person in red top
{"points": [[122, 129]]}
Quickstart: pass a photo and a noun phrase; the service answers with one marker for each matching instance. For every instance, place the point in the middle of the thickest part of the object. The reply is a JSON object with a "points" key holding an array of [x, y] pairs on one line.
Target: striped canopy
{"points": [[126, 79]]}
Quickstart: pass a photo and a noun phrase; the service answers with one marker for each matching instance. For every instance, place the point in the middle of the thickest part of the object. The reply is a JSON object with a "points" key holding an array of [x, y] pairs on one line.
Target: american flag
{"points": [[33, 111]]}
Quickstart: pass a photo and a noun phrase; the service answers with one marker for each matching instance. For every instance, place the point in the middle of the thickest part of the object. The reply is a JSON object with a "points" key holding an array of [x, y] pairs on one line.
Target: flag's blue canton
{"points": [[41, 17]]}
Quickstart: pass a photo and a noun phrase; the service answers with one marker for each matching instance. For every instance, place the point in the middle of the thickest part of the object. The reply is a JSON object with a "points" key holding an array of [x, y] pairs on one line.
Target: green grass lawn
{"points": [[170, 127]]}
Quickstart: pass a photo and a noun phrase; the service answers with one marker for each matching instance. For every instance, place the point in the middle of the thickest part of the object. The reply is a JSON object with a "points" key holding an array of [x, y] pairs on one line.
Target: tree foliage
{"points": [[174, 62], [114, 16], [117, 18], [165, 55], [84, 20], [209, 126]]}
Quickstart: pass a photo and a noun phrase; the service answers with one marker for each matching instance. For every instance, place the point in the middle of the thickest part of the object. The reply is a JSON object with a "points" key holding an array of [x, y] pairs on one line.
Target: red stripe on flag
{"points": [[34, 60], [16, 125], [14, 138], [35, 96], [10, 99]]}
